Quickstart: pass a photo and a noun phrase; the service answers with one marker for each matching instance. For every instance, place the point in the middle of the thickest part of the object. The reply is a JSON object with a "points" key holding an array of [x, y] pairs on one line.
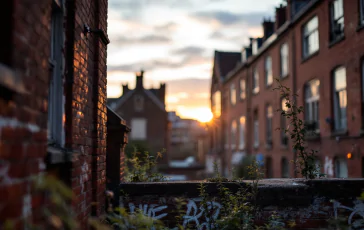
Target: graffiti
{"points": [[357, 210], [150, 210], [329, 167], [194, 214]]}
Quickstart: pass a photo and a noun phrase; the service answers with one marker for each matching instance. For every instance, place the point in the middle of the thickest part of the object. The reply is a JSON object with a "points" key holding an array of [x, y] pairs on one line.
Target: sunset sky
{"points": [[174, 42]]}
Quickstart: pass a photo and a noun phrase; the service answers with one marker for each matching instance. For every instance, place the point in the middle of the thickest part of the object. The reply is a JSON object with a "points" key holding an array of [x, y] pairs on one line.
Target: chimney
{"points": [[162, 93], [268, 29], [139, 80], [281, 16], [125, 88]]}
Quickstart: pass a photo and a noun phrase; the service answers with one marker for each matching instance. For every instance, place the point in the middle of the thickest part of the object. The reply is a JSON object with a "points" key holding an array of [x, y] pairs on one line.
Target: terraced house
{"points": [[316, 48]]}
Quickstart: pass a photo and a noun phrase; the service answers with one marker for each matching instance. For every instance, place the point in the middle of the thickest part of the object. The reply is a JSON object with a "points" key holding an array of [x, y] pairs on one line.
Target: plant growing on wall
{"points": [[142, 167], [306, 162]]}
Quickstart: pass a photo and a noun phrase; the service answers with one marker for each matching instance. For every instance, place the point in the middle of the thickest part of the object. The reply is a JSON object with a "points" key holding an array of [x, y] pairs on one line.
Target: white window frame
{"points": [[361, 12], [269, 123], [56, 99], [336, 19], [340, 97], [242, 84], [242, 122], [233, 128], [284, 60], [268, 71], [255, 81], [283, 121], [136, 124], [312, 102], [341, 167], [232, 94], [256, 131], [310, 37]]}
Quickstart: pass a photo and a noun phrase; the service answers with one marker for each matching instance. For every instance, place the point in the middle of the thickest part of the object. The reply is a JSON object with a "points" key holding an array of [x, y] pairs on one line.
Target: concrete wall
{"points": [[309, 203]]}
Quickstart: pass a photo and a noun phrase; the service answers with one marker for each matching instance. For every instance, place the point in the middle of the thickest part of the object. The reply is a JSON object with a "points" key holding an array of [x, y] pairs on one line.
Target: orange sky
{"points": [[174, 42]]}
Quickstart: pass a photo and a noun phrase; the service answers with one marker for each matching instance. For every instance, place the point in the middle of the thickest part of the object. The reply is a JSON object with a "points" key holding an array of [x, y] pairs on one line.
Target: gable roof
{"points": [[114, 104], [226, 61]]}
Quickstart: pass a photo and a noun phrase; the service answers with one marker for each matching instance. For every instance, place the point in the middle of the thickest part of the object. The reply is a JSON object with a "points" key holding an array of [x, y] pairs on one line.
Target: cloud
{"points": [[228, 18], [147, 65], [148, 39], [189, 50], [165, 28]]}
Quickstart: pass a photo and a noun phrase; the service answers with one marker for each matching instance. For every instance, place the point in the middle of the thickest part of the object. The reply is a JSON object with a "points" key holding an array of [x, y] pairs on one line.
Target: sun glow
{"points": [[202, 114]]}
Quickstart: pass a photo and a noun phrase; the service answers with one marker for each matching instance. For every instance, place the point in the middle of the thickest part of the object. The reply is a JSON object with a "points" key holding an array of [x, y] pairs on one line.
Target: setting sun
{"points": [[202, 114]]}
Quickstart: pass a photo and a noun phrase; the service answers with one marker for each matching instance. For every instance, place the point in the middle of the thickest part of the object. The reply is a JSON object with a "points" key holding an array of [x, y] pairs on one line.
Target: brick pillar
{"points": [[115, 158]]}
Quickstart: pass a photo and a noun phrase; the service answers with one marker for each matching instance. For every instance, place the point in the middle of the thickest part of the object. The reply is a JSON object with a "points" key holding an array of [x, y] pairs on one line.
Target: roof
{"points": [[117, 102], [227, 61]]}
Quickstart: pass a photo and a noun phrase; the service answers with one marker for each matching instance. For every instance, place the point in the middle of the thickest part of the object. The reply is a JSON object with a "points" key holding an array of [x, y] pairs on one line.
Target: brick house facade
{"points": [[316, 49], [145, 113], [53, 81]]}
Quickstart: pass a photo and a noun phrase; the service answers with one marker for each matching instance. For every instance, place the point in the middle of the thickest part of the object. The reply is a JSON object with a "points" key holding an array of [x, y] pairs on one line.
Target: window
{"points": [[336, 19], [341, 168], [284, 60], [232, 94], [268, 71], [138, 129], [56, 114], [284, 137], [242, 89], [340, 100], [138, 103], [255, 46], [233, 134], [284, 167], [255, 81], [312, 97], [269, 124], [242, 133], [361, 9], [256, 130], [216, 103], [310, 37]]}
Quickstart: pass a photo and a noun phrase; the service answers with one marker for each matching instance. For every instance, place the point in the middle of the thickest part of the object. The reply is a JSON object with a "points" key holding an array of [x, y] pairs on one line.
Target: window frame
{"points": [[256, 130], [242, 93], [56, 101], [232, 94], [269, 123], [334, 21], [233, 134], [285, 57], [305, 47], [268, 69], [337, 171], [361, 12], [242, 131], [336, 102], [312, 115], [255, 82], [285, 167], [283, 123], [145, 125]]}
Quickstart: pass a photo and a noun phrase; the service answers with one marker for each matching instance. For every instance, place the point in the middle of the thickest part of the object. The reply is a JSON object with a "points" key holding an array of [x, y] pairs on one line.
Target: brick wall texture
{"points": [[23, 118]]}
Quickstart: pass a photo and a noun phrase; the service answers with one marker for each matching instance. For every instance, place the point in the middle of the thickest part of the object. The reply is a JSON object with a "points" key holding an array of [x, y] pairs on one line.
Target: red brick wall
{"points": [[23, 119], [23, 127]]}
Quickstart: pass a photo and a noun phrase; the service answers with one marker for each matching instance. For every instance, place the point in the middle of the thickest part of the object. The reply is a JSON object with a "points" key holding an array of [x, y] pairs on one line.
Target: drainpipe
{"points": [[294, 84]]}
